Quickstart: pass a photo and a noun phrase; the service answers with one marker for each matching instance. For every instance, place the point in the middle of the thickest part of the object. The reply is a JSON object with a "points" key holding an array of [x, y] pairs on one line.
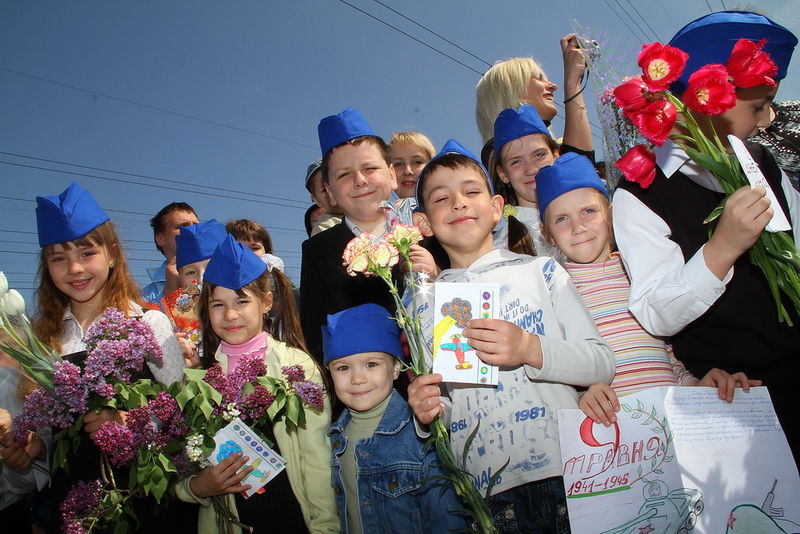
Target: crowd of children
{"points": [[618, 296]]}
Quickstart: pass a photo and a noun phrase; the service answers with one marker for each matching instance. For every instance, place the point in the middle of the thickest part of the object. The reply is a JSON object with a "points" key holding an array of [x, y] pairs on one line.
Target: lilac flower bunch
{"points": [[310, 392], [80, 504], [152, 426], [118, 346]]}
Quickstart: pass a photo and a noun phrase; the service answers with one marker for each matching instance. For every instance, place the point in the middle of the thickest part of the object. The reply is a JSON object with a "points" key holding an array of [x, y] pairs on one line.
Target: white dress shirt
{"points": [[668, 291]]}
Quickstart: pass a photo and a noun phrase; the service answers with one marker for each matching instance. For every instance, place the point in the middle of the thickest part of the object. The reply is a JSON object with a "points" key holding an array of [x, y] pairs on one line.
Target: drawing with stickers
{"points": [[455, 305]]}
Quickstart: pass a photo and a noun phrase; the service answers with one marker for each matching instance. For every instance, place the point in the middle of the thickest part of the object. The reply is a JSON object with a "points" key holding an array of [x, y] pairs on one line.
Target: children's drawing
{"points": [[455, 305], [226, 449], [664, 511], [764, 519], [460, 349], [679, 460]]}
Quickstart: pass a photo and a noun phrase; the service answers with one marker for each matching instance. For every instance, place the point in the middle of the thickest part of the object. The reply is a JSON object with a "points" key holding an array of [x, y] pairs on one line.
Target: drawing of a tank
{"points": [[664, 511]]}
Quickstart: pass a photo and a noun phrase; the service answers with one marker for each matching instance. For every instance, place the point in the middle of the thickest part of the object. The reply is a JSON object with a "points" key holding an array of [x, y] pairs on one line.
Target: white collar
{"points": [[671, 158]]}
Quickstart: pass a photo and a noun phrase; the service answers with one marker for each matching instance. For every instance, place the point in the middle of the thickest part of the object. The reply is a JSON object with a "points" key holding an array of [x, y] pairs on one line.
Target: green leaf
{"points": [[293, 408], [626, 408], [468, 444], [195, 375]]}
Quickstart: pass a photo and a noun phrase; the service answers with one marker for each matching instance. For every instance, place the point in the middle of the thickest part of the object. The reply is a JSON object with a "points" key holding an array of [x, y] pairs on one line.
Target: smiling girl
{"points": [[83, 271], [576, 217], [409, 152], [233, 311]]}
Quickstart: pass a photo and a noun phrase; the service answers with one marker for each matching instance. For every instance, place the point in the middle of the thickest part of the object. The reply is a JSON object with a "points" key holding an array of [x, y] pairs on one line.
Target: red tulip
{"points": [[655, 120], [661, 65], [709, 90], [638, 165], [631, 95], [750, 66]]}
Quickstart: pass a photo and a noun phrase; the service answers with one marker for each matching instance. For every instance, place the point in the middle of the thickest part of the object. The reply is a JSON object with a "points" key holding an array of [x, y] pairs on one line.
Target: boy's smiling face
{"points": [[364, 380], [359, 179], [461, 212]]}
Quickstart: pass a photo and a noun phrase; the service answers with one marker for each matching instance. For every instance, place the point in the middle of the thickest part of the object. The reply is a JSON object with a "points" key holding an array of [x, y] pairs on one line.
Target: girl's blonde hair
{"points": [[285, 326], [503, 86], [118, 292], [417, 139]]}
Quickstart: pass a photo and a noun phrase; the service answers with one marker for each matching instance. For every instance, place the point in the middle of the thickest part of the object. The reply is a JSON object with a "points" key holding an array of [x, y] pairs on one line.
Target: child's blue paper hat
{"points": [[515, 123], [68, 216], [336, 129], [364, 328], [453, 147], [569, 172], [710, 39], [198, 242], [233, 265]]}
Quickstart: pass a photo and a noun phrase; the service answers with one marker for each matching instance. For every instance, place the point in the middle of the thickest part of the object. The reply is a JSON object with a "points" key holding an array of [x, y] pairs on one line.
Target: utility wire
{"points": [[281, 228], [658, 38], [613, 10], [155, 108], [709, 7], [445, 39], [132, 182], [638, 27], [135, 175]]}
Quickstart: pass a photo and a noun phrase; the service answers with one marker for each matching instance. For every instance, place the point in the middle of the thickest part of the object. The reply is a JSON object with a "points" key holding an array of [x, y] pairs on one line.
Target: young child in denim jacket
{"points": [[384, 476]]}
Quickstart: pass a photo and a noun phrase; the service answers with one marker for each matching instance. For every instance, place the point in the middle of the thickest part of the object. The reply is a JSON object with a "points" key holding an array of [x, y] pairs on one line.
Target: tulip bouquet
{"points": [[649, 105], [362, 256]]}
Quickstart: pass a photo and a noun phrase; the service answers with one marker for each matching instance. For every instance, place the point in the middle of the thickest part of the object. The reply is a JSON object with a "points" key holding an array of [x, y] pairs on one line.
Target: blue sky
{"points": [[148, 102]]}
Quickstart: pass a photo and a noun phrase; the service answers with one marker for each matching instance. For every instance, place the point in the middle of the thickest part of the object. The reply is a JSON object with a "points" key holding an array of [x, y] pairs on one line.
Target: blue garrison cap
{"points": [[453, 147], [364, 328], [569, 172], [233, 265], [198, 242], [336, 129], [68, 216], [515, 123], [710, 39]]}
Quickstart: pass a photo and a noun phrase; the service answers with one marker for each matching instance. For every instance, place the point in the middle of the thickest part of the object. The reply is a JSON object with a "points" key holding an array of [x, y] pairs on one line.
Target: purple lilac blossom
{"points": [[293, 374], [117, 442], [311, 393], [40, 410], [255, 405], [81, 501], [69, 386]]}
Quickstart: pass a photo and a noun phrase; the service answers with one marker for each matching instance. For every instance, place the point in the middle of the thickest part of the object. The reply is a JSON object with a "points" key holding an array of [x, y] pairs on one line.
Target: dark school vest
{"points": [[740, 331]]}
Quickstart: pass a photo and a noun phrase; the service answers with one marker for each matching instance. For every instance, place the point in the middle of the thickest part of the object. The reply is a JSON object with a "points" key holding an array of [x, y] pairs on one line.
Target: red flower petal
{"points": [[661, 65], [750, 66], [709, 91], [655, 121], [638, 165], [631, 95]]}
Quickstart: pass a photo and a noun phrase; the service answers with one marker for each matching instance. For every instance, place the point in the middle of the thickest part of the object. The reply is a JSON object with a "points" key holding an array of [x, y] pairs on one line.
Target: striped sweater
{"points": [[643, 361]]}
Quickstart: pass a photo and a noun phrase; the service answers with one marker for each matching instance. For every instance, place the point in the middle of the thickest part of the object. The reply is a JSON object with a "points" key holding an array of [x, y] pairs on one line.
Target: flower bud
{"points": [[13, 303], [3, 284]]}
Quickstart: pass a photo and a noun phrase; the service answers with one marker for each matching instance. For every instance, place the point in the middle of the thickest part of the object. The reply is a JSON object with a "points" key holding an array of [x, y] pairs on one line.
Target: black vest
{"points": [[740, 331]]}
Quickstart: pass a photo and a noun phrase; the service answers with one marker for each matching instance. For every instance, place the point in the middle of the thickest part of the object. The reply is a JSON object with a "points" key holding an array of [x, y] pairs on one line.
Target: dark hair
{"points": [[519, 238], [247, 230], [284, 326], [157, 222], [307, 217], [374, 140]]}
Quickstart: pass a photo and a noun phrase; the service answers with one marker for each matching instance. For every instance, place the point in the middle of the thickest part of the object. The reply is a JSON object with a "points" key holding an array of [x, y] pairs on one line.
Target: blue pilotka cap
{"points": [[334, 130], [68, 216], [233, 265], [567, 173], [710, 39], [198, 242], [515, 123], [364, 328], [453, 147]]}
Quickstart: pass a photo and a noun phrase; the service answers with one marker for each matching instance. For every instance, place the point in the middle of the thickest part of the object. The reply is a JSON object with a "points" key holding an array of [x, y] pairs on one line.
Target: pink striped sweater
{"points": [[643, 360]]}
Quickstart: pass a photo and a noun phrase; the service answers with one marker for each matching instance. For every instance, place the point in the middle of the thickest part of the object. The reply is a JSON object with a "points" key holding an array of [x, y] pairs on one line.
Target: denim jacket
{"points": [[395, 487]]}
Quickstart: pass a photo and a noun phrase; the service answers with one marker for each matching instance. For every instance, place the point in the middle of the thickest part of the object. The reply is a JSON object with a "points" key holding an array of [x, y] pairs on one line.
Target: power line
{"points": [[155, 108], [613, 10], [646, 38], [423, 43], [445, 39], [148, 185], [709, 7], [277, 228], [658, 38], [135, 175]]}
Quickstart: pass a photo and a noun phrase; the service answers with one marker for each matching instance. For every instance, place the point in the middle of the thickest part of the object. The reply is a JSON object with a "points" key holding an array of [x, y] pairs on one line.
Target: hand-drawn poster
{"points": [[237, 436], [456, 303], [680, 460]]}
